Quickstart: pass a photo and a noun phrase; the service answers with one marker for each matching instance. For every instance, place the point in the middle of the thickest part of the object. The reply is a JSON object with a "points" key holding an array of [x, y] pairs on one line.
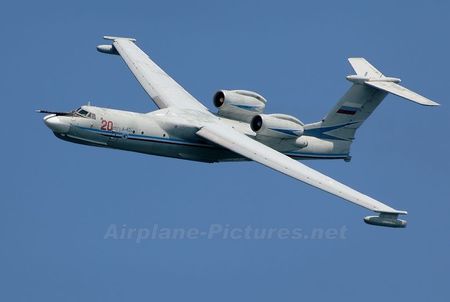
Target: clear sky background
{"points": [[58, 199]]}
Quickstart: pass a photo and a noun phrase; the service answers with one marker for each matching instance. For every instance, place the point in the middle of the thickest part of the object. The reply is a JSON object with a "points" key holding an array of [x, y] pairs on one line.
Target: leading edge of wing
{"points": [[164, 90], [237, 142]]}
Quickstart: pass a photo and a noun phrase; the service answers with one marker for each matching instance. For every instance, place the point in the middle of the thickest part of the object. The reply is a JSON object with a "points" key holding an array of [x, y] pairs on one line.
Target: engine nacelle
{"points": [[240, 105], [277, 125]]}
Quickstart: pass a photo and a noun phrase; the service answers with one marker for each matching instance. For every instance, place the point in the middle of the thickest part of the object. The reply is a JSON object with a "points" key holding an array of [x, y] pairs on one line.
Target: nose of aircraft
{"points": [[56, 124]]}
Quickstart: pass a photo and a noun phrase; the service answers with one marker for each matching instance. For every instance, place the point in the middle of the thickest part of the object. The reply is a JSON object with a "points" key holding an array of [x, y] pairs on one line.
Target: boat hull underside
{"points": [[202, 152]]}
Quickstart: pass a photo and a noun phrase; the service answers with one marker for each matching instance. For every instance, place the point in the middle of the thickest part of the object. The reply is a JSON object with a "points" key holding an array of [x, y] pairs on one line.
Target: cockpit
{"points": [[84, 113]]}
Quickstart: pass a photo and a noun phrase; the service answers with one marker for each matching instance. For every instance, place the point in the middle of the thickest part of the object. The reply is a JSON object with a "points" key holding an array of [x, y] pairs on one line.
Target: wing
{"points": [[229, 138], [164, 91]]}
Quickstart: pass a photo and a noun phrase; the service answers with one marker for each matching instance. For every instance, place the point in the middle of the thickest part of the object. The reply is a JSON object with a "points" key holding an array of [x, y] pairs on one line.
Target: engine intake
{"points": [[241, 105], [277, 125], [219, 99]]}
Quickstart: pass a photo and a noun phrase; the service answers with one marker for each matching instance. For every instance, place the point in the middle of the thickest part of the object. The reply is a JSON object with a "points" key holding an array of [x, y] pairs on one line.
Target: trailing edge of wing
{"points": [[164, 90], [245, 146]]}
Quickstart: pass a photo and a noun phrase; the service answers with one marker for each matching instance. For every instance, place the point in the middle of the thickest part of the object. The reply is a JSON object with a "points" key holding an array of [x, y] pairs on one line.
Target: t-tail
{"points": [[369, 88]]}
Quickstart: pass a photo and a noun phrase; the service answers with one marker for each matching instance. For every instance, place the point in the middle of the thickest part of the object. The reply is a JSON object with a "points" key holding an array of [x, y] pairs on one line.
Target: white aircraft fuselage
{"points": [[169, 132]]}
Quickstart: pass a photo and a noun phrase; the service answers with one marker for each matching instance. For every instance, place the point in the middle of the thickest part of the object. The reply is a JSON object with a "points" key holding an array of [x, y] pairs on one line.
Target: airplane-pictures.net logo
{"points": [[221, 232]]}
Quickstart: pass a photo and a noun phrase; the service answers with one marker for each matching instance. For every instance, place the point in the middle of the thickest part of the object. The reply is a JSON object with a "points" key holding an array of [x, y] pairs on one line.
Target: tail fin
{"points": [[364, 68], [369, 88]]}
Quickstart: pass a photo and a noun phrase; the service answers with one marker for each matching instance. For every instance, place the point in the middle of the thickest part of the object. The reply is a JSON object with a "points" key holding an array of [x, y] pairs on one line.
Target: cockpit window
{"points": [[82, 112]]}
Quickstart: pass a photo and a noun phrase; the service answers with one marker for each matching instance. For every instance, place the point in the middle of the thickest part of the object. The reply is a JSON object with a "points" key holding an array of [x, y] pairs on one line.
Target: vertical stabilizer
{"points": [[369, 88]]}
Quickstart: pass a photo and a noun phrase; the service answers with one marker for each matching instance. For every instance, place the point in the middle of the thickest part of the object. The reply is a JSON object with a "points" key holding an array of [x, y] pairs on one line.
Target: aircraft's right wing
{"points": [[164, 91], [235, 141]]}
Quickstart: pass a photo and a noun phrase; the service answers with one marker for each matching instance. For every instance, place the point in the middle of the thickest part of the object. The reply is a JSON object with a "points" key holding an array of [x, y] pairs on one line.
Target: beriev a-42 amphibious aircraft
{"points": [[184, 128]]}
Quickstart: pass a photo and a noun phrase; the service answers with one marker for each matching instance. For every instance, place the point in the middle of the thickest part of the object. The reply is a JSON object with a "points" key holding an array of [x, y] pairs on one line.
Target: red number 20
{"points": [[107, 125]]}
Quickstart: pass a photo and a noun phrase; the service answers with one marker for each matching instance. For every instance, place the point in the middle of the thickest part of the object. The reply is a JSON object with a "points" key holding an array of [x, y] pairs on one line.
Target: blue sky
{"points": [[59, 199]]}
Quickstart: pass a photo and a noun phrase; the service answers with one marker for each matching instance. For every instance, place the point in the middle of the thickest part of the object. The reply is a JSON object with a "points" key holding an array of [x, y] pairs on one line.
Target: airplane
{"points": [[184, 128]]}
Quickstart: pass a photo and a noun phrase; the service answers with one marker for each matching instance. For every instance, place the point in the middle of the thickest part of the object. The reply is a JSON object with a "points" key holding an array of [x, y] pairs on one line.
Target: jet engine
{"points": [[277, 126], [240, 105]]}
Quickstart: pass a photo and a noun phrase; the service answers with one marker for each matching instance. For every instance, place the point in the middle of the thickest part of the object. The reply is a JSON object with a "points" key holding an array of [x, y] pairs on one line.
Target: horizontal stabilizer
{"points": [[402, 92], [367, 74], [112, 38]]}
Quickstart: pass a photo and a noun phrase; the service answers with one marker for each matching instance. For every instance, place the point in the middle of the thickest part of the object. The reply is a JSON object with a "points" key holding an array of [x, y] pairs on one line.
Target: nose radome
{"points": [[56, 124]]}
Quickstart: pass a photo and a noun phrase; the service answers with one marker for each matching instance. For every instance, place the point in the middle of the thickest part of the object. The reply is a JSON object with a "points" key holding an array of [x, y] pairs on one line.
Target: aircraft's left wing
{"points": [[164, 91], [233, 140]]}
